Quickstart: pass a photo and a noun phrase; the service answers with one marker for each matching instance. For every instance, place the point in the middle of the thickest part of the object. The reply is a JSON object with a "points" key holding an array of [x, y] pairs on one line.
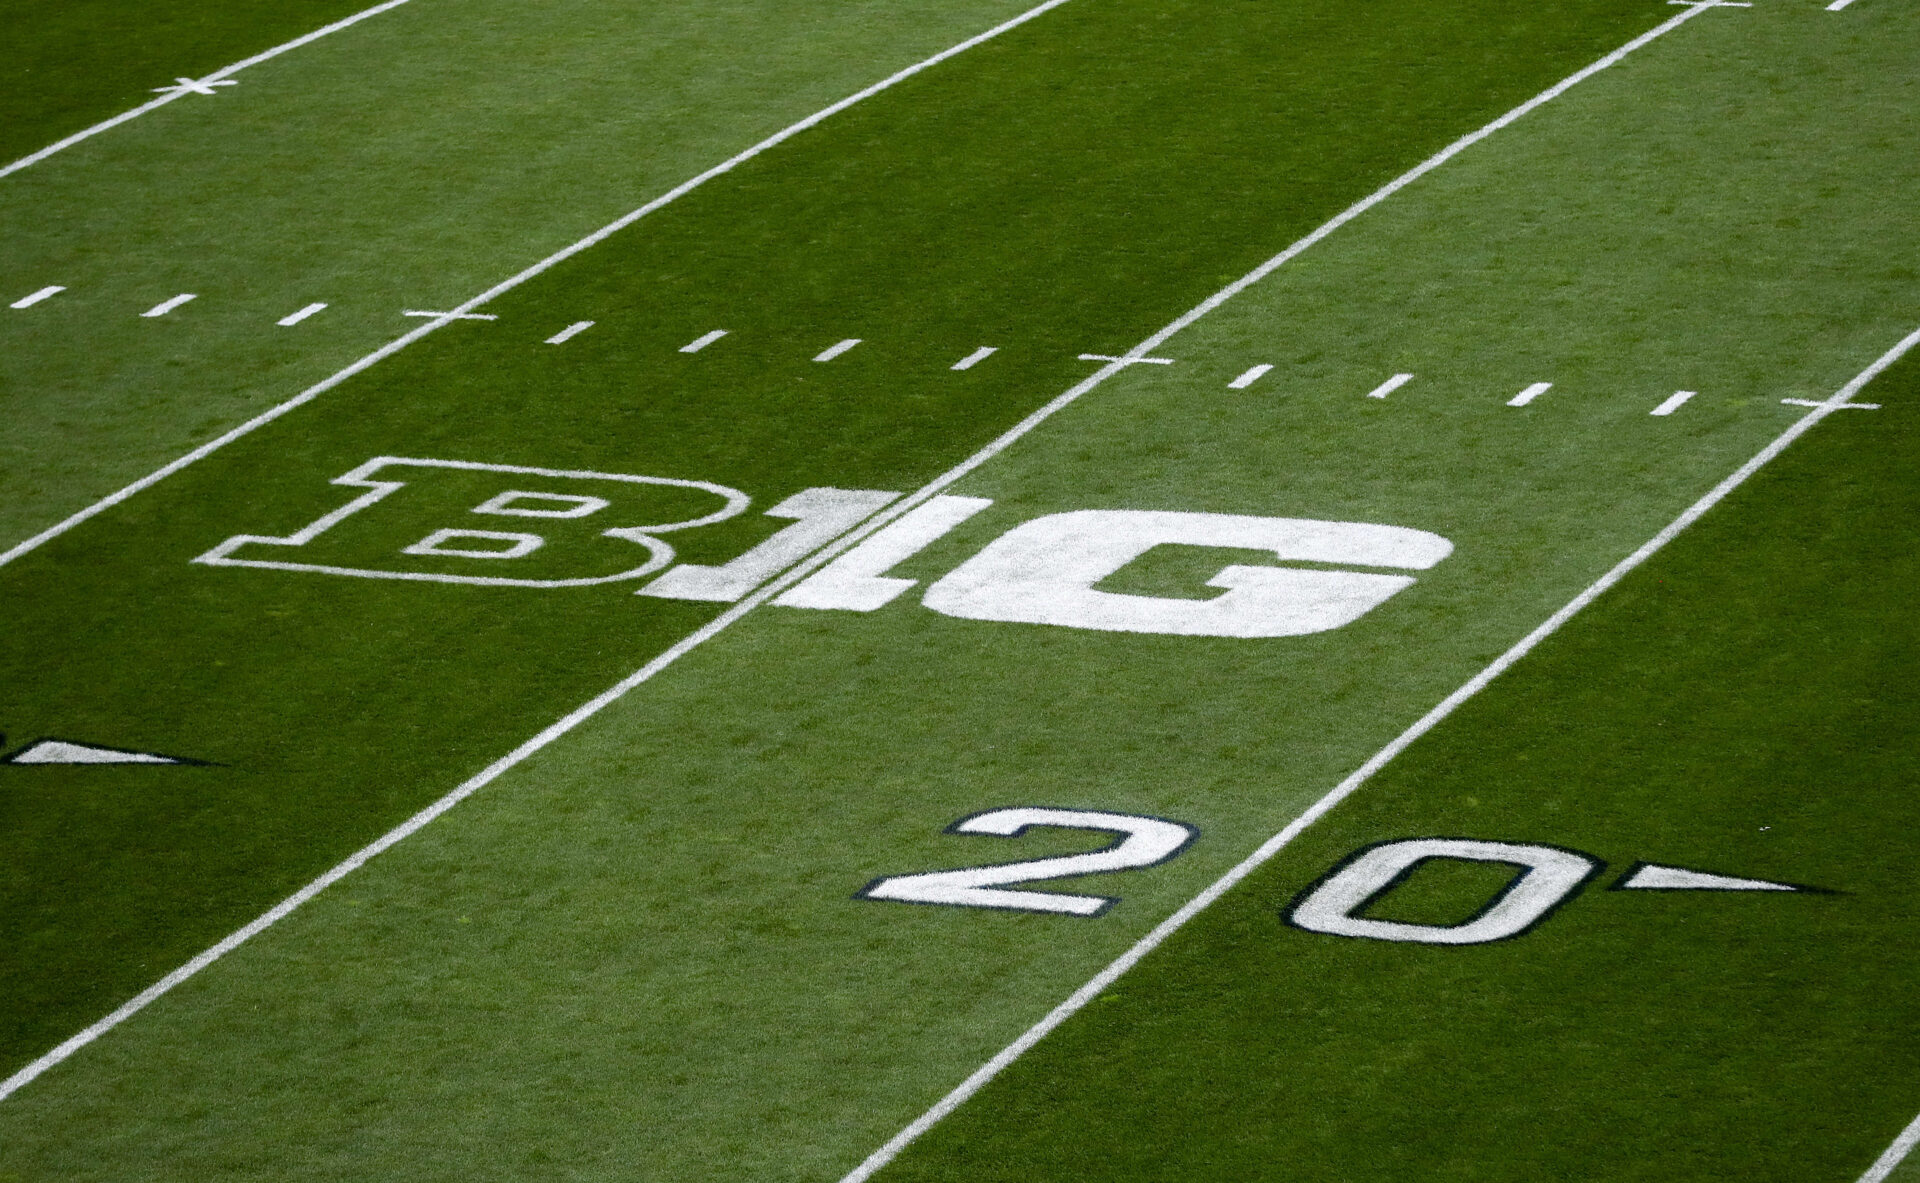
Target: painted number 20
{"points": [[1143, 842]]}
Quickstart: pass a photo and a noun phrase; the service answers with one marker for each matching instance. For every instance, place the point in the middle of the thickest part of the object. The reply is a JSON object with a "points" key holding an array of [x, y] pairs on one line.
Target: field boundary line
{"points": [[174, 92], [1894, 1154], [461, 312], [793, 575]]}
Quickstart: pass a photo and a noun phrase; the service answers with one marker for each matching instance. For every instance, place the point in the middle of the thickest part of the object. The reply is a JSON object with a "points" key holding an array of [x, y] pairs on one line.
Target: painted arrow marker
{"points": [[1653, 877], [66, 751]]}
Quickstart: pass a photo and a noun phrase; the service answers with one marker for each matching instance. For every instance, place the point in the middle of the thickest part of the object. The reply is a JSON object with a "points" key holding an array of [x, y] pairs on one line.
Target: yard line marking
{"points": [[1100, 982], [1249, 378], [1390, 385], [698, 344], [294, 318], [809, 565], [52, 289], [170, 93], [1807, 402], [1909, 1137], [1127, 359], [836, 349], [168, 305], [1674, 402], [1836, 6], [1529, 394], [598, 236], [189, 86], [570, 332], [975, 358], [456, 314]]}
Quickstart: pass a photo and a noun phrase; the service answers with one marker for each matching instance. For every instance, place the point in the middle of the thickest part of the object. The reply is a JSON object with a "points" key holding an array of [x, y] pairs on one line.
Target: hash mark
{"points": [[571, 331], [295, 318], [1529, 394], [1674, 402], [1249, 378], [703, 342], [168, 305], [975, 358], [52, 289], [835, 350], [1390, 385]]}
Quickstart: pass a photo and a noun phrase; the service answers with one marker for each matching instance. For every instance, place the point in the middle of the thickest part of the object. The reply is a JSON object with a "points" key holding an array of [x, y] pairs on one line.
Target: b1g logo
{"points": [[502, 525]]}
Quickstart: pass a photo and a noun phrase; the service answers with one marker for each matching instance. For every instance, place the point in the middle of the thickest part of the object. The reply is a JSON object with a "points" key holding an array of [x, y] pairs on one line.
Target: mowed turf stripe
{"points": [[638, 952], [1740, 705], [984, 205], [71, 65]]}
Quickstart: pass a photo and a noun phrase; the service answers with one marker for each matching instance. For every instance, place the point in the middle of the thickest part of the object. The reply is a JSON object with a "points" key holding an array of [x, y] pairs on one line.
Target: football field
{"points": [[1118, 590]]}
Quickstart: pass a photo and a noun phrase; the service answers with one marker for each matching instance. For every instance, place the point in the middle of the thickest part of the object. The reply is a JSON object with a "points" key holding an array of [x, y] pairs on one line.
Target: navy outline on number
{"points": [[1107, 902], [1599, 868]]}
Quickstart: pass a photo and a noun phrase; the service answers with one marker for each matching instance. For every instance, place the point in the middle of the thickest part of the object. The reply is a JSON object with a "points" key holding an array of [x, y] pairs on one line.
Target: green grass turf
{"points": [[412, 161], [1743, 704], [72, 63], [638, 953], [1066, 189]]}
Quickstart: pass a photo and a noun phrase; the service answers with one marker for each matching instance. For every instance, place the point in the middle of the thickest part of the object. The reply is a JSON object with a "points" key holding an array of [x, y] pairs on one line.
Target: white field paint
{"points": [[1390, 385], [1836, 6], [200, 86], [48, 292], [1652, 877], [1249, 378], [1895, 1154], [446, 316], [570, 332], [64, 751], [1127, 359], [1101, 981], [853, 537], [975, 358], [700, 343], [1674, 402], [1807, 402], [836, 349], [857, 581], [294, 318], [1529, 394], [1549, 876], [169, 304], [513, 281]]}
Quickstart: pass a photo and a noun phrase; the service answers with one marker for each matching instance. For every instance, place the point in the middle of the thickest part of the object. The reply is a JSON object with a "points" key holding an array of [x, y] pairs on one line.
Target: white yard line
{"points": [[1910, 1137], [854, 536], [598, 236], [1272, 846], [200, 86]]}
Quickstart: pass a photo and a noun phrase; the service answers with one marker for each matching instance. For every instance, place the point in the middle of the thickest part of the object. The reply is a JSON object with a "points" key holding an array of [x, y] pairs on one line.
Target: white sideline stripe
{"points": [[836, 349], [801, 570], [294, 318], [1674, 402], [975, 358], [1390, 385], [1249, 378], [168, 305], [1909, 1137], [1529, 394], [173, 93], [51, 290], [700, 343], [401, 342], [570, 332], [1361, 775]]}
